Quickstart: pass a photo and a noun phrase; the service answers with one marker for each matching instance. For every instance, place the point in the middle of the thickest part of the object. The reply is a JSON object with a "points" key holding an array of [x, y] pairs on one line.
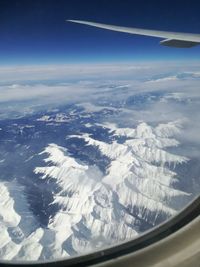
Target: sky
{"points": [[36, 31]]}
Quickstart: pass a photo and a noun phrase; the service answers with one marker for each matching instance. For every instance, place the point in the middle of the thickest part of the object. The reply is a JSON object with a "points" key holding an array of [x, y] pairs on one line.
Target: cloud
{"points": [[171, 91], [67, 72], [170, 78], [17, 92]]}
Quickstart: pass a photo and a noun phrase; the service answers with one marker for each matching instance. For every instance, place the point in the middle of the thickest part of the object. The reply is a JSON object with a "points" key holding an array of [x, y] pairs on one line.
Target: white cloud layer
{"points": [[94, 87]]}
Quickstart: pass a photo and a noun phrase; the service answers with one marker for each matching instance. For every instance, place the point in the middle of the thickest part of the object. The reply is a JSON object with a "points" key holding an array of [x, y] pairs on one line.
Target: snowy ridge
{"points": [[19, 229], [95, 209], [93, 206], [59, 117], [20, 232], [87, 216], [132, 171]]}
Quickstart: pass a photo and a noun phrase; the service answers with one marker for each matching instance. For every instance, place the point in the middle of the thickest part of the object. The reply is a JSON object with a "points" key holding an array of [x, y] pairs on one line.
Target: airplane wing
{"points": [[173, 39]]}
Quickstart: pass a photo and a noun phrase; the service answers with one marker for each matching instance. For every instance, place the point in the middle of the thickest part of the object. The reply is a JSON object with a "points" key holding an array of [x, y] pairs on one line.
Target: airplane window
{"points": [[99, 128]]}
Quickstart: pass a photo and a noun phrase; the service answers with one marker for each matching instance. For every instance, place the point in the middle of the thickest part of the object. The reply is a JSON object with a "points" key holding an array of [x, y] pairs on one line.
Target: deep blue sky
{"points": [[35, 31]]}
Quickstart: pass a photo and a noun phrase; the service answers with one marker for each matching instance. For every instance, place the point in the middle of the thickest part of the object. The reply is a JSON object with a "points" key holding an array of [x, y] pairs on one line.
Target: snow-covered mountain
{"points": [[95, 209]]}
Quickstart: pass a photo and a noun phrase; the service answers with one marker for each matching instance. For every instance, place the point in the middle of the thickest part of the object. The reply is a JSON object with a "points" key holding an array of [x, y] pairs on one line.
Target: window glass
{"points": [[99, 131]]}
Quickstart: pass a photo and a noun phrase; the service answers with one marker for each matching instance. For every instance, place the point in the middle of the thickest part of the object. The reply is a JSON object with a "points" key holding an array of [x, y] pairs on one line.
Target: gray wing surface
{"points": [[173, 39]]}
